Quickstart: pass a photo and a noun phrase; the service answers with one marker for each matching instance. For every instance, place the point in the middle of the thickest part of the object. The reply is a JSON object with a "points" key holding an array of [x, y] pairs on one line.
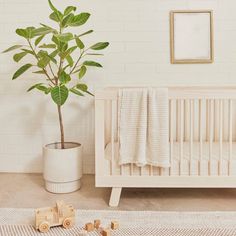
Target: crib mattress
{"points": [[207, 166]]}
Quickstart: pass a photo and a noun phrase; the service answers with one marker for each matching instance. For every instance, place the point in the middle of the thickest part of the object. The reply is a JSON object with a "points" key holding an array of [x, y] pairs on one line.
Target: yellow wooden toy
{"points": [[48, 217]]}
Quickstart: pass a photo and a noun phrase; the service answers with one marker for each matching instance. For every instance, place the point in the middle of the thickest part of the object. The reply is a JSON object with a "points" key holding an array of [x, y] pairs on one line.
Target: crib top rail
{"points": [[180, 92]]}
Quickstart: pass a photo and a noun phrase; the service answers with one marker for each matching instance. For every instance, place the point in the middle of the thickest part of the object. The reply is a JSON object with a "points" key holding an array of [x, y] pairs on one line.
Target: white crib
{"points": [[202, 137]]}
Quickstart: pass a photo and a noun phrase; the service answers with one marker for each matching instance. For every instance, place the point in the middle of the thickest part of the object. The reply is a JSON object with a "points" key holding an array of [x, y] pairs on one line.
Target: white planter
{"points": [[62, 168]]}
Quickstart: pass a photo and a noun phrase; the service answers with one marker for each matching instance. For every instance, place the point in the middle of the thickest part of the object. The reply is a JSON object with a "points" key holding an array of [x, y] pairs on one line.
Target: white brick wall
{"points": [[138, 31]]}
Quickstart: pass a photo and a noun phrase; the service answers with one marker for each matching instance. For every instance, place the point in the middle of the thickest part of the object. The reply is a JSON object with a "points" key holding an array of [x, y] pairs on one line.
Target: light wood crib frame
{"points": [[202, 136]]}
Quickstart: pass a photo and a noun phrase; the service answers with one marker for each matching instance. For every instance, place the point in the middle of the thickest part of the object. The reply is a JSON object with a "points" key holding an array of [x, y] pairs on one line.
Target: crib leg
{"points": [[115, 197]]}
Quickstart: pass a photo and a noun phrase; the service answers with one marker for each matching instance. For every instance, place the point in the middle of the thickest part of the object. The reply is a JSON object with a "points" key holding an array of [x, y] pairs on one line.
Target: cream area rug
{"points": [[20, 222]]}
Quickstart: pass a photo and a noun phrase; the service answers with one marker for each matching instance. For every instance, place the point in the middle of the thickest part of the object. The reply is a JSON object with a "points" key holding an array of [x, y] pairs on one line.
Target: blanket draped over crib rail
{"points": [[143, 127]]}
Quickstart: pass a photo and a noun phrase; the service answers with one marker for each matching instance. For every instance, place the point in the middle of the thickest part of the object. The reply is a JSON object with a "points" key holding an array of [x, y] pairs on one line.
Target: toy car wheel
{"points": [[44, 227], [68, 223]]}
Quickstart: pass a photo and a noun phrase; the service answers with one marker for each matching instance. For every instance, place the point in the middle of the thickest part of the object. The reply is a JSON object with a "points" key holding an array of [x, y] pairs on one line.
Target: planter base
{"points": [[67, 187]]}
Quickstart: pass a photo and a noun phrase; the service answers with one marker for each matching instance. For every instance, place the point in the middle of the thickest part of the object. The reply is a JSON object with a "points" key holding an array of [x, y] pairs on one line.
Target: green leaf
{"points": [[43, 62], [89, 93], [33, 87], [65, 67], [39, 72], [70, 60], [21, 70], [17, 57], [64, 37], [75, 91], [94, 54], [67, 52], [69, 9], [54, 53], [53, 16], [82, 87], [100, 46], [43, 31], [78, 70], [47, 26], [52, 6], [39, 39], [28, 51], [79, 19], [56, 16], [12, 48], [82, 72], [30, 32], [67, 20], [46, 58], [27, 33], [59, 94], [42, 53], [22, 33], [55, 40], [63, 46], [48, 90], [48, 46], [85, 33], [64, 78], [79, 43], [40, 87], [92, 63]]}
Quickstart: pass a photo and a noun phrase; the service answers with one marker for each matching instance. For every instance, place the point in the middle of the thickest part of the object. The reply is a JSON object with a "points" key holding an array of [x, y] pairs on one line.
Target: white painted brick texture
{"points": [[138, 31]]}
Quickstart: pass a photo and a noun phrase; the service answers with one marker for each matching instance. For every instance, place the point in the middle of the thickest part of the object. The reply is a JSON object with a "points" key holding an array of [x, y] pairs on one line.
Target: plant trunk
{"points": [[61, 127]]}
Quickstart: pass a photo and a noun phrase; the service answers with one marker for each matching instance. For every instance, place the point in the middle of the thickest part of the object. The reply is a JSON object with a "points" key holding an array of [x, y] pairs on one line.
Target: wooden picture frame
{"points": [[191, 37]]}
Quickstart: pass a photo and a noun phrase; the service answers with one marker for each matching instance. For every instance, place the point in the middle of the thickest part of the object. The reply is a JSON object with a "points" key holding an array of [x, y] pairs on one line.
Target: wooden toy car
{"points": [[48, 217]]}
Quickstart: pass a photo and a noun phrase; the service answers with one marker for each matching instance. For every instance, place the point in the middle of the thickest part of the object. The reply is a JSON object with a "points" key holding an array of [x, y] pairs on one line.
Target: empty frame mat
{"points": [[191, 36]]}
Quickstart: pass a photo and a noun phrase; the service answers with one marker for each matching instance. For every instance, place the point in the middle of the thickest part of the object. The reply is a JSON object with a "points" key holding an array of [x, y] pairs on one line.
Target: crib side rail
{"points": [[179, 93]]}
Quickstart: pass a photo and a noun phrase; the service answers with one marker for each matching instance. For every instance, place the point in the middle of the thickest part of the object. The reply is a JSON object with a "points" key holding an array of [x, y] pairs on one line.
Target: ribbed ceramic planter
{"points": [[62, 168]]}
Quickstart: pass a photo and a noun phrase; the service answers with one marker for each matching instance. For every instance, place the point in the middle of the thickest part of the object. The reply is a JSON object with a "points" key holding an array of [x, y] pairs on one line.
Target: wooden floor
{"points": [[27, 191]]}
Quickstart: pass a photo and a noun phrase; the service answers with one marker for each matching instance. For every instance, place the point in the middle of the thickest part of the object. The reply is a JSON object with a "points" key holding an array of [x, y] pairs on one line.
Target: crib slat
{"points": [[191, 116], [221, 134], [200, 137], [211, 120], [171, 134], [177, 120], [151, 170], [207, 119], [230, 134], [186, 120], [131, 168], [112, 136], [181, 123], [121, 167], [216, 119]]}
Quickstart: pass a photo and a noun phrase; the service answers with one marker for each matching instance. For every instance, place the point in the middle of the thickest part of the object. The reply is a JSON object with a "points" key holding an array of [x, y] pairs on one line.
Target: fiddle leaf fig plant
{"points": [[52, 50]]}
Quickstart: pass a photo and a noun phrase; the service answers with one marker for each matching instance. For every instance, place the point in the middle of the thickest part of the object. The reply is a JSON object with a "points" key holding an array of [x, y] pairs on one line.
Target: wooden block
{"points": [[100, 229], [114, 225], [83, 233], [89, 227], [106, 232], [97, 223]]}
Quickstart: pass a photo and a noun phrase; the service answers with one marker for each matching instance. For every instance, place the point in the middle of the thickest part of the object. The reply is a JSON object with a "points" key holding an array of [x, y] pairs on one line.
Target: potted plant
{"points": [[52, 50]]}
